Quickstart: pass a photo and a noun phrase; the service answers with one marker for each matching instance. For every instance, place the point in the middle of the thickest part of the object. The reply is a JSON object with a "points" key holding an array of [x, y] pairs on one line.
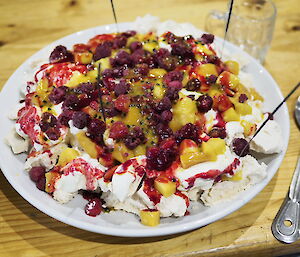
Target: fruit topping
{"points": [[240, 146]]}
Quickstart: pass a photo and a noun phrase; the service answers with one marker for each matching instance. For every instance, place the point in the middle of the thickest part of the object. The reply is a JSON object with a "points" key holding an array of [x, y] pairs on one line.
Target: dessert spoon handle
{"points": [[285, 226]]}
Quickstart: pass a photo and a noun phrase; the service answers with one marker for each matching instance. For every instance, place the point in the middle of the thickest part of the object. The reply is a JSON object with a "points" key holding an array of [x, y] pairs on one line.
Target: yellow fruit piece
{"points": [[136, 89], [140, 150], [188, 159], [67, 155], [249, 127], [158, 73], [42, 89], [159, 91], [121, 153], [51, 177], [87, 145], [228, 79], [150, 217], [84, 57], [133, 116], [151, 46], [104, 64], [236, 177], [233, 67], [185, 79], [207, 69], [165, 186], [203, 49], [78, 78], [255, 94], [243, 108], [92, 75], [214, 90], [213, 147], [184, 111], [231, 115], [49, 108]]}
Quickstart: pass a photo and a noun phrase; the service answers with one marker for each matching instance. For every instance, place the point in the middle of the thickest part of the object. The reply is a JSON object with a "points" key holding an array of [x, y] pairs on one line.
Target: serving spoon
{"points": [[286, 224]]}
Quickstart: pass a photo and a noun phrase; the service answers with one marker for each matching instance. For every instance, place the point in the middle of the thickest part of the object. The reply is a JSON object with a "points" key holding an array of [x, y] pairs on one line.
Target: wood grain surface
{"points": [[28, 25]]}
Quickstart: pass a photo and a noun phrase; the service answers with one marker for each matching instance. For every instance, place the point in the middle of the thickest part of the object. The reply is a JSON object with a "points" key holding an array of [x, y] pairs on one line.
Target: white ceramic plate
{"points": [[120, 223]]}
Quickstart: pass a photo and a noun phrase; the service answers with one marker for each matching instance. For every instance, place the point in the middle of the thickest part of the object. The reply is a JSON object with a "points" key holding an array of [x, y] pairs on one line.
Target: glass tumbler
{"points": [[251, 25]]}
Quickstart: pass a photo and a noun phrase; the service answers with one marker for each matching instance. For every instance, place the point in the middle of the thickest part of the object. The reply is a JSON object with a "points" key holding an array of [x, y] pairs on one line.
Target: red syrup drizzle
{"points": [[150, 191], [214, 173]]}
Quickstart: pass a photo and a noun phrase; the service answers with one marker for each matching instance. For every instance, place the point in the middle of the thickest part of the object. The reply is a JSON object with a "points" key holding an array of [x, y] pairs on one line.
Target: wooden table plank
{"points": [[28, 25]]}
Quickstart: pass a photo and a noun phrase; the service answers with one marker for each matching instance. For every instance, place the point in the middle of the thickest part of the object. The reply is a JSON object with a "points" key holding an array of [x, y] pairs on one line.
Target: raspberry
{"points": [[118, 130], [61, 54], [188, 131]]}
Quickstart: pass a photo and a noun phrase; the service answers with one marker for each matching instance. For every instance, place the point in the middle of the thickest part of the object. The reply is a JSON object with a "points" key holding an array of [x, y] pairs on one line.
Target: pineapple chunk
{"points": [[87, 145], [121, 153], [184, 111], [150, 217], [133, 117], [207, 70], [51, 177], [233, 67], [157, 73], [213, 147], [67, 155], [231, 115], [164, 186]]}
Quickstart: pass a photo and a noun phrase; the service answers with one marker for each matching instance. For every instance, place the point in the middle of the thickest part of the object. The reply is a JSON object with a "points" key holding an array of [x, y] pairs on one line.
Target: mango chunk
{"points": [[213, 147], [233, 67], [184, 111], [231, 115], [249, 127], [104, 64], [67, 155], [164, 186], [51, 177], [157, 73], [228, 79], [190, 154], [159, 91], [133, 116], [150, 217], [87, 145], [207, 70], [121, 153], [243, 108]]}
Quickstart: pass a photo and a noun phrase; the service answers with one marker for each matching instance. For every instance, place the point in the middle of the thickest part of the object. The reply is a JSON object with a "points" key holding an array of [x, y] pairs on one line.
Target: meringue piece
{"points": [[18, 144], [268, 140]]}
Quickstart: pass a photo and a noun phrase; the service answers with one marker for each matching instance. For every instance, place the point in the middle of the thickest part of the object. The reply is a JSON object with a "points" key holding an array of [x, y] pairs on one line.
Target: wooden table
{"points": [[28, 25]]}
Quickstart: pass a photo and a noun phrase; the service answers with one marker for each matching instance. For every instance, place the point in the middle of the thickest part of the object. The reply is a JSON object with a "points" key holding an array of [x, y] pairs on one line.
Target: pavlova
{"points": [[172, 126]]}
